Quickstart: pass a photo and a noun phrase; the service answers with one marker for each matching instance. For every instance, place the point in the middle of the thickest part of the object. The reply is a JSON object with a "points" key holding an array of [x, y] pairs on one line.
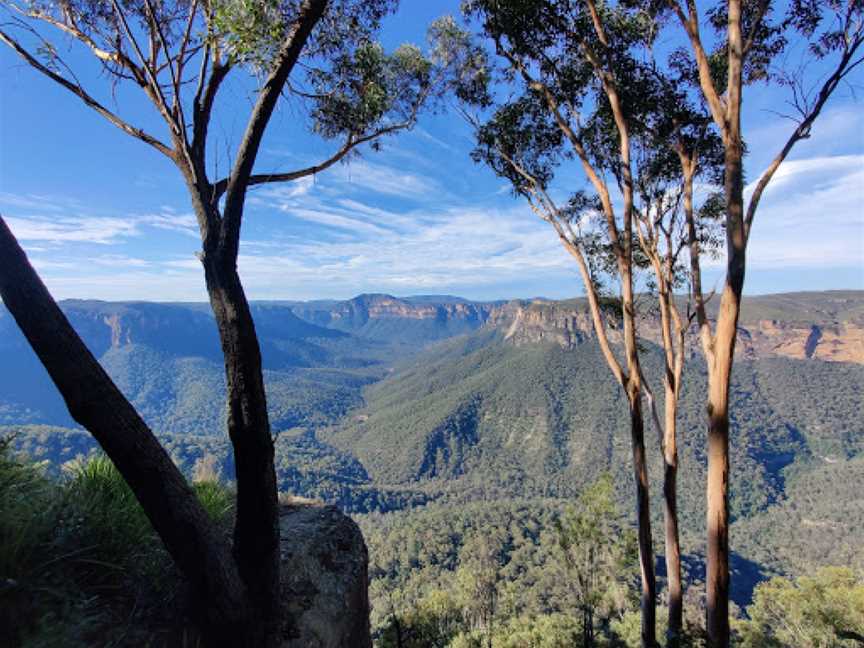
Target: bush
{"points": [[80, 564]]}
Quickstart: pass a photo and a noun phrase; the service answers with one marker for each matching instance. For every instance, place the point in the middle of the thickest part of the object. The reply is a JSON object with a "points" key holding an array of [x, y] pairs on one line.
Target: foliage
{"points": [[825, 609], [27, 504], [80, 564], [479, 572], [600, 555]]}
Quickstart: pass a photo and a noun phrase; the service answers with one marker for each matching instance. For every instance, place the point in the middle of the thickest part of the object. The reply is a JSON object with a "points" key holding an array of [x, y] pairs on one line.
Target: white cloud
{"points": [[103, 231], [38, 203], [376, 178], [332, 219], [346, 243], [118, 261], [811, 215], [169, 220]]}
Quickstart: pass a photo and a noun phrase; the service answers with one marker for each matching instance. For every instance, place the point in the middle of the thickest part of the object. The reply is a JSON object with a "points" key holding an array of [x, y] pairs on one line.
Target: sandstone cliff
{"points": [[568, 323]]}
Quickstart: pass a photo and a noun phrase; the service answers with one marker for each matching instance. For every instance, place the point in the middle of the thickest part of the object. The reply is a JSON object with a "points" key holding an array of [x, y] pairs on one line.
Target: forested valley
{"points": [[468, 458]]}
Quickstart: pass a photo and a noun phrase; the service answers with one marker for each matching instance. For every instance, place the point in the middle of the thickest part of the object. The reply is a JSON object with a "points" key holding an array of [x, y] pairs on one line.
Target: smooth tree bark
{"points": [[725, 105], [661, 245]]}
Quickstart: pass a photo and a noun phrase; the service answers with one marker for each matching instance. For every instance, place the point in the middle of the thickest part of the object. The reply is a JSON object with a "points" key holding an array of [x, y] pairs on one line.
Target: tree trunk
{"points": [[670, 498], [643, 516], [95, 402], [720, 371], [717, 570], [673, 347], [256, 529]]}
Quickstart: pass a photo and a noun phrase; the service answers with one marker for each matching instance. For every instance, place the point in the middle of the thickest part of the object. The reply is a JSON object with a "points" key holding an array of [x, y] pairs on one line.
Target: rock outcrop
{"points": [[569, 324], [325, 599]]}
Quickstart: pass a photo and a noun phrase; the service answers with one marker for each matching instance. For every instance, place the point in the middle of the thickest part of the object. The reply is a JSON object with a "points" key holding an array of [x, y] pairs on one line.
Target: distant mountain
{"points": [[381, 403], [166, 358], [824, 326], [412, 321], [481, 418]]}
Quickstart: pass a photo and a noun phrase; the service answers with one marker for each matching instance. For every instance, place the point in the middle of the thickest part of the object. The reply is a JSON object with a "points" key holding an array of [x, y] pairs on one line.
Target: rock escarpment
{"points": [[325, 599], [359, 311], [568, 323]]}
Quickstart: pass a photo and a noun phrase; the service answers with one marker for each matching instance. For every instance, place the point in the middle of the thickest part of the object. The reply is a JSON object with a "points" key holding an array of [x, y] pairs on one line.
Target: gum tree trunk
{"points": [[648, 595], [256, 530], [95, 402], [670, 500]]}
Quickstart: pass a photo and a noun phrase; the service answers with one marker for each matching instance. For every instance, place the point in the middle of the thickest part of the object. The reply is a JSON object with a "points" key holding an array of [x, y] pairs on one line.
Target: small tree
{"points": [[478, 576], [825, 609], [179, 55], [599, 555]]}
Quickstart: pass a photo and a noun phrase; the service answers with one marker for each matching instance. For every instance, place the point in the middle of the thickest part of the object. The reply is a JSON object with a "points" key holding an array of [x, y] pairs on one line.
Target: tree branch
{"points": [[690, 22], [844, 67], [350, 144], [309, 15], [760, 14], [87, 99], [153, 88]]}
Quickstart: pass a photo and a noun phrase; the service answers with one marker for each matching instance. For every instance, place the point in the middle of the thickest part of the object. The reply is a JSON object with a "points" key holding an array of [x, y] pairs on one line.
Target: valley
{"points": [[394, 409]]}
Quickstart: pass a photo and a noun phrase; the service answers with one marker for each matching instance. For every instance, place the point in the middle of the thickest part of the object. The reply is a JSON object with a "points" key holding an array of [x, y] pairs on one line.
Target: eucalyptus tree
{"points": [[322, 55], [675, 148], [749, 36], [579, 84]]}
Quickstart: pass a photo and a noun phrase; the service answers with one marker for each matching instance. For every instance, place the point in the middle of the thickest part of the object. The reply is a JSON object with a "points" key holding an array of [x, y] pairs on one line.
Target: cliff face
{"points": [[413, 321], [569, 323], [359, 311], [838, 342]]}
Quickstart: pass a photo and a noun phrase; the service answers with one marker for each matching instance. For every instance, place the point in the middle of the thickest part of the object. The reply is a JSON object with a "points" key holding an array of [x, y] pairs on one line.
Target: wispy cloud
{"points": [[372, 227], [376, 178], [103, 231], [171, 221], [811, 215], [53, 223]]}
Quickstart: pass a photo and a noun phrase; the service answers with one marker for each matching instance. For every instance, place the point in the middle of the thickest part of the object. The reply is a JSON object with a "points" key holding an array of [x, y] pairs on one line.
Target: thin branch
{"points": [[553, 106], [690, 22], [88, 99], [155, 89], [760, 14], [844, 67], [155, 27], [652, 407], [350, 144]]}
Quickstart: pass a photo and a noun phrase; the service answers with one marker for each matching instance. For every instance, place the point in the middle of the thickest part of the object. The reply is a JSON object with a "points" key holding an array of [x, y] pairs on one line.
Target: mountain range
{"points": [[381, 403]]}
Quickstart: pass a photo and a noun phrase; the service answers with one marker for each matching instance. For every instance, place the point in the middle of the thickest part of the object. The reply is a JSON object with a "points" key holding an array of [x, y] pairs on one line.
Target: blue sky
{"points": [[103, 216]]}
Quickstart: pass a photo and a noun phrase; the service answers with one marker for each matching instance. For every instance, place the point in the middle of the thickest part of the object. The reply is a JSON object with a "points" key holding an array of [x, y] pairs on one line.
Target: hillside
{"points": [[166, 359], [382, 404]]}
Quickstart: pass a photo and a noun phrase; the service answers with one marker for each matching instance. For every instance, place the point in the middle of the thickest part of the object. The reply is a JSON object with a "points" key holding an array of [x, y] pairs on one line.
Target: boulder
{"points": [[325, 596]]}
